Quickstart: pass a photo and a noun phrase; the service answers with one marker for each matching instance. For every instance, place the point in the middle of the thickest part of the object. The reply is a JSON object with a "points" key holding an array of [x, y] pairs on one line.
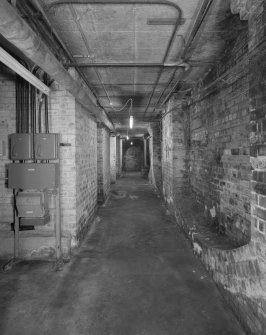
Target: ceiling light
{"points": [[131, 121], [131, 143], [127, 137], [14, 65]]}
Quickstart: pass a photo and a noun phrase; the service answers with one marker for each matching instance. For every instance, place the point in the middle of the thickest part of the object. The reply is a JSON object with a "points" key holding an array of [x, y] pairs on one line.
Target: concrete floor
{"points": [[134, 275]]}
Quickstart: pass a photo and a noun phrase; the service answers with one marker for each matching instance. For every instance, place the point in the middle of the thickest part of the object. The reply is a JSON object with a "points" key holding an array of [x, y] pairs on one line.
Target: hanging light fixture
{"points": [[131, 121]]}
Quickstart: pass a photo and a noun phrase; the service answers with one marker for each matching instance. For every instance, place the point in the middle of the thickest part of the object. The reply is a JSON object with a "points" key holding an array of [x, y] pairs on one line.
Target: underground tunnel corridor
{"points": [[134, 274], [133, 167]]}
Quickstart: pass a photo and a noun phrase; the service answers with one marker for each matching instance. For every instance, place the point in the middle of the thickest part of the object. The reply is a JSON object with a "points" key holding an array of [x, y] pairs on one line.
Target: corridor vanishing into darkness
{"points": [[135, 274]]}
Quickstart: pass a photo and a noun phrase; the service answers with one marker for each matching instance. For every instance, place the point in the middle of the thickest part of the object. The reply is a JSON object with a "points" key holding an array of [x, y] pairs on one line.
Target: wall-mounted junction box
{"points": [[25, 146], [33, 175], [46, 146], [32, 204], [21, 147]]}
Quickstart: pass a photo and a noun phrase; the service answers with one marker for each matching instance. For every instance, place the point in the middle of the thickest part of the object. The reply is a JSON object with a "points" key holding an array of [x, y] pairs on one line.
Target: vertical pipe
{"points": [[33, 119], [40, 114], [58, 222], [145, 151], [17, 106], [33, 92], [34, 111], [58, 226], [16, 228], [27, 110], [46, 117], [31, 109], [46, 114], [22, 106]]}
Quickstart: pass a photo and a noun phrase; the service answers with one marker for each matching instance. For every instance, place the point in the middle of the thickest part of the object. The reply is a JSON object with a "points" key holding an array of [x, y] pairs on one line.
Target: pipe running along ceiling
{"points": [[143, 50], [118, 33]]}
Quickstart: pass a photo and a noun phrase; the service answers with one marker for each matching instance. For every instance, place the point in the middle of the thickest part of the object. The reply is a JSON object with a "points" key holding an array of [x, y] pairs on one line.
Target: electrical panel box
{"points": [[46, 146], [21, 147], [33, 175], [32, 204]]}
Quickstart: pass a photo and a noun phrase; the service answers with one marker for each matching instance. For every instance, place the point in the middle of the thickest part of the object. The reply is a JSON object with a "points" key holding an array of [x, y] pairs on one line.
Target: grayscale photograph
{"points": [[133, 167]]}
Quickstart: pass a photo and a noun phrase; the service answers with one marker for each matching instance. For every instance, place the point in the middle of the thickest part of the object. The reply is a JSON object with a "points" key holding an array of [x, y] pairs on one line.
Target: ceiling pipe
{"points": [[43, 18], [18, 33], [179, 21], [86, 43], [168, 49], [183, 64], [200, 18], [113, 2]]}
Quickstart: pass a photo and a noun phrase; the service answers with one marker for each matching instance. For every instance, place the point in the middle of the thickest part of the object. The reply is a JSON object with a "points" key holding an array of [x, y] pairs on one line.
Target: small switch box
{"points": [[33, 175], [46, 146], [21, 146]]}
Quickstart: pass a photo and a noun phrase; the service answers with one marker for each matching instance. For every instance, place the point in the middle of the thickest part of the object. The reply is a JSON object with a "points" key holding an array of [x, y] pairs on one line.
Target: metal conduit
{"points": [[114, 2], [166, 87], [85, 41], [18, 104], [166, 65], [132, 2], [57, 38], [203, 12], [18, 33]]}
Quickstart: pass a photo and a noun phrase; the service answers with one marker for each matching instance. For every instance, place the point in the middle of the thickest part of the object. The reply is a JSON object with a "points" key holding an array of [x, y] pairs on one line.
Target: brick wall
{"points": [[41, 241], [241, 272], [78, 172], [175, 152], [86, 170], [62, 120], [78, 162], [119, 156], [113, 159], [219, 156], [155, 172], [103, 163], [167, 158], [7, 126], [226, 169]]}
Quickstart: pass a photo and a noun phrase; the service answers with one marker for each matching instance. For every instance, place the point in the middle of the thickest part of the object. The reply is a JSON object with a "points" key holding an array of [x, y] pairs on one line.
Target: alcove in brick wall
{"points": [[133, 155]]}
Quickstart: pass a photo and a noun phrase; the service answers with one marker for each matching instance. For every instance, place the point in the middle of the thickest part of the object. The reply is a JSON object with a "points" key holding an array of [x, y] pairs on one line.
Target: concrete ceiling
{"points": [[122, 34], [115, 33]]}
